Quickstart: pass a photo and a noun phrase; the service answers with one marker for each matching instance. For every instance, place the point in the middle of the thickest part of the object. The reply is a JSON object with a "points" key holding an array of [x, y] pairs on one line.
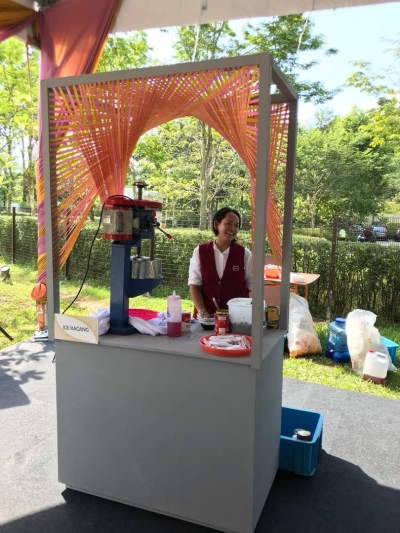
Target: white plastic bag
{"points": [[362, 336], [154, 326], [302, 338], [103, 316]]}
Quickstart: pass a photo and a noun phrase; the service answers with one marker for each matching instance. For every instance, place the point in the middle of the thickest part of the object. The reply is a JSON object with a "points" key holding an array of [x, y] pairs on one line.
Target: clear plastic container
{"points": [[174, 315], [272, 271], [336, 346], [241, 315], [375, 366]]}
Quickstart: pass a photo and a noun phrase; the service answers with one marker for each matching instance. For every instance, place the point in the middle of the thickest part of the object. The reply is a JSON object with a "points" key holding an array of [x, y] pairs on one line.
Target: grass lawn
{"points": [[18, 317], [318, 368]]}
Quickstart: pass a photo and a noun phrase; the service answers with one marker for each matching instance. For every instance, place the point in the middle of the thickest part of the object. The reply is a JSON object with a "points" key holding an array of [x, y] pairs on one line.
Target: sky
{"points": [[357, 33]]}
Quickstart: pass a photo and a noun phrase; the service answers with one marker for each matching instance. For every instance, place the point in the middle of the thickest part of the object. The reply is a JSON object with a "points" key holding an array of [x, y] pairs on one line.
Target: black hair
{"points": [[221, 214]]}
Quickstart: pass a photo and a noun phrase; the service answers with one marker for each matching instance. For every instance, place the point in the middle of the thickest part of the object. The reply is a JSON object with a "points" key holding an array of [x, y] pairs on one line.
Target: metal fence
{"points": [[353, 274]]}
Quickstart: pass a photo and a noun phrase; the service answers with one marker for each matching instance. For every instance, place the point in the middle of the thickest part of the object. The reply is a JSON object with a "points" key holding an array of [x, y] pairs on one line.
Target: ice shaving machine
{"points": [[126, 222]]}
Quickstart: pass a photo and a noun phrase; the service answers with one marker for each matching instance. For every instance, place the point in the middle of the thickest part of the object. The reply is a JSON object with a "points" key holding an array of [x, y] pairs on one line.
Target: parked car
{"points": [[380, 232], [367, 235], [357, 227]]}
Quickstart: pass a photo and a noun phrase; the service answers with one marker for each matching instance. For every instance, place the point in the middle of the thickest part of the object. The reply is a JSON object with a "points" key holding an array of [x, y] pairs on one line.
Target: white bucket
{"points": [[375, 366], [240, 315]]}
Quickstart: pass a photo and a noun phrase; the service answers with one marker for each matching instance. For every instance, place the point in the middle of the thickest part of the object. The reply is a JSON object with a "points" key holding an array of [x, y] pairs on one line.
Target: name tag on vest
{"points": [[235, 268]]}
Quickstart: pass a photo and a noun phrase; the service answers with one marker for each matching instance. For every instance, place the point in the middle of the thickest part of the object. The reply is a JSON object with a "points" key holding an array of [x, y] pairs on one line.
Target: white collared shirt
{"points": [[195, 277]]}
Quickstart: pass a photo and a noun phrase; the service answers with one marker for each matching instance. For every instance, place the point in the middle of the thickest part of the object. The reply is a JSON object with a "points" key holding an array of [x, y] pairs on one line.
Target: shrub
{"points": [[366, 276]]}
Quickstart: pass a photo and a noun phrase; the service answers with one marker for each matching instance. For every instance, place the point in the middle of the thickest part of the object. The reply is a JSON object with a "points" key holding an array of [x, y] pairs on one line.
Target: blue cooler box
{"points": [[297, 456], [392, 348]]}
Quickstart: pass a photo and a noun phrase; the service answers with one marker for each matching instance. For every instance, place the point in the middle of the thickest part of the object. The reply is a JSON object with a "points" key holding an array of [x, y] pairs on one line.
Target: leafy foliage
{"points": [[173, 168], [194, 170], [25, 245], [205, 42], [383, 127], [367, 276], [121, 53], [18, 122], [334, 161], [286, 38]]}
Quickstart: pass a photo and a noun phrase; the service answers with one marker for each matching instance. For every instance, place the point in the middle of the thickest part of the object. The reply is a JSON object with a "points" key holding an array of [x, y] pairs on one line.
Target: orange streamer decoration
{"points": [[94, 128]]}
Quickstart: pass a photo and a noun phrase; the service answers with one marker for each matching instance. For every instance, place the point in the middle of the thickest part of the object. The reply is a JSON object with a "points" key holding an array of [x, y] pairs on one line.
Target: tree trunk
{"points": [[313, 210], [206, 170]]}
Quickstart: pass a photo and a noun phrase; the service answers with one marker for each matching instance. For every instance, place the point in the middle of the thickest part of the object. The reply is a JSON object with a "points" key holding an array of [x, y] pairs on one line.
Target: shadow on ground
{"points": [[340, 497], [15, 371]]}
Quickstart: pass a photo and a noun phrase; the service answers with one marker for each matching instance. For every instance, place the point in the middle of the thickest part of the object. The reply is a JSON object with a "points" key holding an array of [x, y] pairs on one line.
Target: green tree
{"points": [[286, 38], [122, 53], [383, 131], [337, 171], [205, 42], [18, 121], [312, 177], [382, 83], [169, 159], [383, 127]]}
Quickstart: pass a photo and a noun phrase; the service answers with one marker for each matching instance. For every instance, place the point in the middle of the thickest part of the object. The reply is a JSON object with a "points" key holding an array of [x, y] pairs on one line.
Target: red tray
{"points": [[225, 353], [146, 314]]}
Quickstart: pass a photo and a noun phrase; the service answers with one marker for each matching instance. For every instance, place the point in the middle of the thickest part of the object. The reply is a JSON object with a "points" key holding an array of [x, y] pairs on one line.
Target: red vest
{"points": [[231, 285]]}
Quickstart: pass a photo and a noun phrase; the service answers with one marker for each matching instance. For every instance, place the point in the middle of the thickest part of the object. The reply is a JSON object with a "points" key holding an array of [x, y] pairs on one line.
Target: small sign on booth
{"points": [[76, 328]]}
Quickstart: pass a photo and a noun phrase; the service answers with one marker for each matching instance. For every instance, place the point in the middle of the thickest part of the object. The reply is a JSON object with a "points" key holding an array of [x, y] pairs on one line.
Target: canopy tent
{"points": [[146, 14]]}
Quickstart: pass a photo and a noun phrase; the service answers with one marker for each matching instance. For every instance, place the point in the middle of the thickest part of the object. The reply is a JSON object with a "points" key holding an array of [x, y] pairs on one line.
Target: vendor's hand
{"points": [[203, 313]]}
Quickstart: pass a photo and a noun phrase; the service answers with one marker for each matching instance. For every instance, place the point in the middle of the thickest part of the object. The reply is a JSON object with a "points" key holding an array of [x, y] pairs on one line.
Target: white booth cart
{"points": [[156, 422]]}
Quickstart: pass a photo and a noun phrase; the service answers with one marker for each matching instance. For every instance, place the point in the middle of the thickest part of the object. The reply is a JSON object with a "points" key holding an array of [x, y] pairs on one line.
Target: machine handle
{"points": [[168, 235]]}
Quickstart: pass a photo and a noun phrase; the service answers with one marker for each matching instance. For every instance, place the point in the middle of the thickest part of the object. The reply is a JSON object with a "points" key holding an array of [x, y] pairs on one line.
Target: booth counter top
{"points": [[187, 345]]}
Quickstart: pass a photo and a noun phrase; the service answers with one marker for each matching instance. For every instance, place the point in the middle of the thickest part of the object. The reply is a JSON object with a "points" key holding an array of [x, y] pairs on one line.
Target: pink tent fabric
{"points": [[9, 31], [72, 35], [14, 18]]}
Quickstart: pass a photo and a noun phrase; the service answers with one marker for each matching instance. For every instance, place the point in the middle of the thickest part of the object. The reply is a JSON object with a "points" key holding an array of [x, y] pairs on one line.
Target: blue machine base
{"points": [[123, 287]]}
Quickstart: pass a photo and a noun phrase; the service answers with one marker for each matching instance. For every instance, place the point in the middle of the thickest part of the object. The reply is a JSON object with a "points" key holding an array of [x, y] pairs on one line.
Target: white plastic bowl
{"points": [[206, 323]]}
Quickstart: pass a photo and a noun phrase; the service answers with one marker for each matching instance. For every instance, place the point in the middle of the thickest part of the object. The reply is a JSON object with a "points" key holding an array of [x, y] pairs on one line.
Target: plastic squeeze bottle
{"points": [[174, 315]]}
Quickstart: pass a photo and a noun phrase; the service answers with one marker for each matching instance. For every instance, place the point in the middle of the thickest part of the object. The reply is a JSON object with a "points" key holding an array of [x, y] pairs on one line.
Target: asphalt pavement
{"points": [[356, 486]]}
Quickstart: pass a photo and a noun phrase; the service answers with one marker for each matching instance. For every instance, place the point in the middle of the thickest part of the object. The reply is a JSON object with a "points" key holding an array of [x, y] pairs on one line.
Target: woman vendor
{"points": [[220, 269]]}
